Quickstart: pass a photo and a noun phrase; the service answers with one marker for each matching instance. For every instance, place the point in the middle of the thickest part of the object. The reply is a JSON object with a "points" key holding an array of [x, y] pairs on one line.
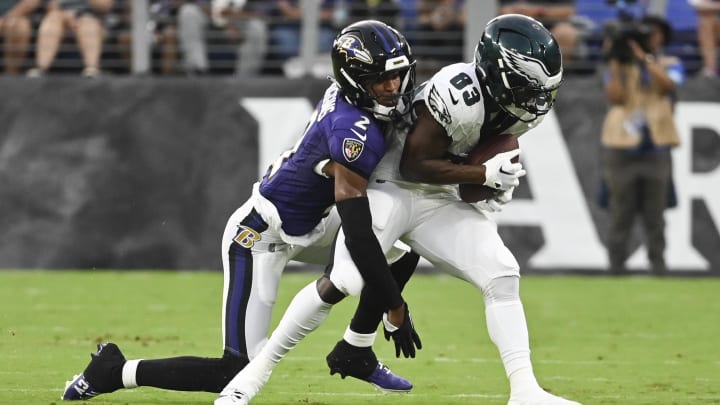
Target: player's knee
{"points": [[502, 289], [266, 286], [266, 298], [328, 292], [348, 282]]}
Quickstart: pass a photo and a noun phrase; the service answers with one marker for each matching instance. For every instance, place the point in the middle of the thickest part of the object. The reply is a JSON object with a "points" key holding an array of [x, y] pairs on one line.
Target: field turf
{"points": [[635, 340]]}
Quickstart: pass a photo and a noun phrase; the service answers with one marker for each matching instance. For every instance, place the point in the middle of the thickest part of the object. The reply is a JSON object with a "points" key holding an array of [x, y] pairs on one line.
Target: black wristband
{"points": [[365, 249]]}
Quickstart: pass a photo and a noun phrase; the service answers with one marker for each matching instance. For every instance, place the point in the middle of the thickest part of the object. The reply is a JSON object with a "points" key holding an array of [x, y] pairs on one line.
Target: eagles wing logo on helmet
{"points": [[530, 68], [353, 48]]}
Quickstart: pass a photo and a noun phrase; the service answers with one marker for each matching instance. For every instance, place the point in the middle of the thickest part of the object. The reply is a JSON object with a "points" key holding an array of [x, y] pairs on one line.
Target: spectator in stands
{"points": [[285, 28], [555, 15], [193, 21], [440, 26], [180, 27], [708, 29], [244, 21], [637, 135], [118, 46], [84, 18], [16, 31], [386, 11], [163, 24]]}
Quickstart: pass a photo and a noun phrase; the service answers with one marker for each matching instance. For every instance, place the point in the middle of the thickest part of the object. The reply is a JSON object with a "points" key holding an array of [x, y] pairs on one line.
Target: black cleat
{"points": [[361, 363], [102, 375]]}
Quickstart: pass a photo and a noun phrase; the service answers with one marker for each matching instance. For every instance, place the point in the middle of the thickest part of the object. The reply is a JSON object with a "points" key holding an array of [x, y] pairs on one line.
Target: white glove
{"points": [[501, 173], [496, 203]]}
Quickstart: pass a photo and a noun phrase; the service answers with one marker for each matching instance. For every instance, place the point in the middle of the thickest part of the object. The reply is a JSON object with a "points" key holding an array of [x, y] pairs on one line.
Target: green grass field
{"points": [[636, 340]]}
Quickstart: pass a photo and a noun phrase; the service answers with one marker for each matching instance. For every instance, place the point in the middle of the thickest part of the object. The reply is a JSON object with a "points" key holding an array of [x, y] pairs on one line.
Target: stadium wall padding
{"points": [[143, 172]]}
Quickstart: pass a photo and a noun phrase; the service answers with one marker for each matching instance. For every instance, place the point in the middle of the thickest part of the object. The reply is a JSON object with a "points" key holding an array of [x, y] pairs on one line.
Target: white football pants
{"points": [[452, 235]]}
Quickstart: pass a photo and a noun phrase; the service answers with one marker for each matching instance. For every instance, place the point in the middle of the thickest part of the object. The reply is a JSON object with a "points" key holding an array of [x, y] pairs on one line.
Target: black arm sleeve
{"points": [[365, 249]]}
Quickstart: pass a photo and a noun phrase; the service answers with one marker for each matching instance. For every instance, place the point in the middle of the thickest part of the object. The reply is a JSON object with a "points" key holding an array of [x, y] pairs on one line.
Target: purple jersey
{"points": [[337, 131]]}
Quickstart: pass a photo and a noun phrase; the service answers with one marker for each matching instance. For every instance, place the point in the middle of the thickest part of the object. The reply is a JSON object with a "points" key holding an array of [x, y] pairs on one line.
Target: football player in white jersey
{"points": [[507, 89]]}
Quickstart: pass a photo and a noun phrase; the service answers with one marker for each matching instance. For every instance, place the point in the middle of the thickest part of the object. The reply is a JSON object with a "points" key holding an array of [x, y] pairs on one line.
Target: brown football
{"points": [[480, 154]]}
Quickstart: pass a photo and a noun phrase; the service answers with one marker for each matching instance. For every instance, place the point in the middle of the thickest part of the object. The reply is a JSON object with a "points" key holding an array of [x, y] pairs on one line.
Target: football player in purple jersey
{"points": [[413, 193], [294, 213]]}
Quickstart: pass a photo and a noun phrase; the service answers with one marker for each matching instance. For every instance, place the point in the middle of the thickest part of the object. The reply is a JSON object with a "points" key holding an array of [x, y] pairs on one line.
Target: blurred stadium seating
{"points": [[592, 14], [679, 13]]}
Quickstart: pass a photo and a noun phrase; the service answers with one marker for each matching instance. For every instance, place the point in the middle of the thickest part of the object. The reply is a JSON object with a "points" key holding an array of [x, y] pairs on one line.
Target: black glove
{"points": [[405, 337]]}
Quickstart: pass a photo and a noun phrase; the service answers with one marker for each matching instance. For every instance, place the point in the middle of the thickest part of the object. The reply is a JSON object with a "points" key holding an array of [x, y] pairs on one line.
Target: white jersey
{"points": [[455, 101]]}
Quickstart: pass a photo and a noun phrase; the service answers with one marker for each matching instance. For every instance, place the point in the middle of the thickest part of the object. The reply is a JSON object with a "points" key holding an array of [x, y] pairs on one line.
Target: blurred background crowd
{"points": [[290, 37]]}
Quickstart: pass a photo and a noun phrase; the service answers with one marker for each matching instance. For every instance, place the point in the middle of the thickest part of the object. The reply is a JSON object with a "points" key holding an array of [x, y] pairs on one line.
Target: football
{"points": [[480, 154]]}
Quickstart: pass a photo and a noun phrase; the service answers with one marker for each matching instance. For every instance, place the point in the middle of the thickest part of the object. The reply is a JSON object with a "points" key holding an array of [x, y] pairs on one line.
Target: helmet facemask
{"points": [[529, 102], [376, 103]]}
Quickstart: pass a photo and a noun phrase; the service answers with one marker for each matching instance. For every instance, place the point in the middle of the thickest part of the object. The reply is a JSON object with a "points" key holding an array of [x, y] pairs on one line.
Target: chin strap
{"points": [[395, 113], [382, 112]]}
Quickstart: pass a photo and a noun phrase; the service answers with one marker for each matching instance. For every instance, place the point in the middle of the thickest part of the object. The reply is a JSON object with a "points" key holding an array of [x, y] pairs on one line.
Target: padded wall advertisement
{"points": [[140, 173]]}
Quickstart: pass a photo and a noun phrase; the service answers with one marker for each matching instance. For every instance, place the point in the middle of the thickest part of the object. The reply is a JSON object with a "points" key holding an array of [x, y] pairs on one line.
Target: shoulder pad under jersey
{"points": [[356, 139], [454, 99]]}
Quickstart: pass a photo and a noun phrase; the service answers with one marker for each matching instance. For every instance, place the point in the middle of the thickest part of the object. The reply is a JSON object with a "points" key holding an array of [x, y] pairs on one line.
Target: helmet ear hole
{"points": [[504, 98]]}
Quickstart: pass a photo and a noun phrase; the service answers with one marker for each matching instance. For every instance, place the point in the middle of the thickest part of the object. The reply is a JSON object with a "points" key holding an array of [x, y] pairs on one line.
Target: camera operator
{"points": [[638, 133]]}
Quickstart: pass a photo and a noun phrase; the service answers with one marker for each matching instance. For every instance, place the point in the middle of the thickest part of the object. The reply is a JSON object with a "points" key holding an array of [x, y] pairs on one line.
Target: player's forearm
{"points": [[366, 251], [440, 171], [424, 157]]}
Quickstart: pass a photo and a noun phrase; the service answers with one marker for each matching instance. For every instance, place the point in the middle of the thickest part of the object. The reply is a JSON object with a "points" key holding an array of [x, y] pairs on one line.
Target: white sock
{"points": [[508, 330], [304, 314], [359, 339], [523, 382], [129, 373]]}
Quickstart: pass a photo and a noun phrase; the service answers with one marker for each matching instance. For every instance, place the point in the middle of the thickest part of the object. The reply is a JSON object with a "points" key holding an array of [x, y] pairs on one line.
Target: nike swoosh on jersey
{"points": [[453, 99], [363, 137]]}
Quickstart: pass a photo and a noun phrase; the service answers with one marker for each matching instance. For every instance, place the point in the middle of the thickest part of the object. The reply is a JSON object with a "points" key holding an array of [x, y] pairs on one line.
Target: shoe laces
{"points": [[384, 368]]}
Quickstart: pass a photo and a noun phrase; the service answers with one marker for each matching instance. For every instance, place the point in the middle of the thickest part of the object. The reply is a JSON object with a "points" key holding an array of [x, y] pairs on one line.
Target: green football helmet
{"points": [[520, 65]]}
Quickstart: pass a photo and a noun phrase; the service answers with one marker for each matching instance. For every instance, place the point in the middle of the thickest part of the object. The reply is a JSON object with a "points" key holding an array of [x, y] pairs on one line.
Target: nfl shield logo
{"points": [[352, 148]]}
